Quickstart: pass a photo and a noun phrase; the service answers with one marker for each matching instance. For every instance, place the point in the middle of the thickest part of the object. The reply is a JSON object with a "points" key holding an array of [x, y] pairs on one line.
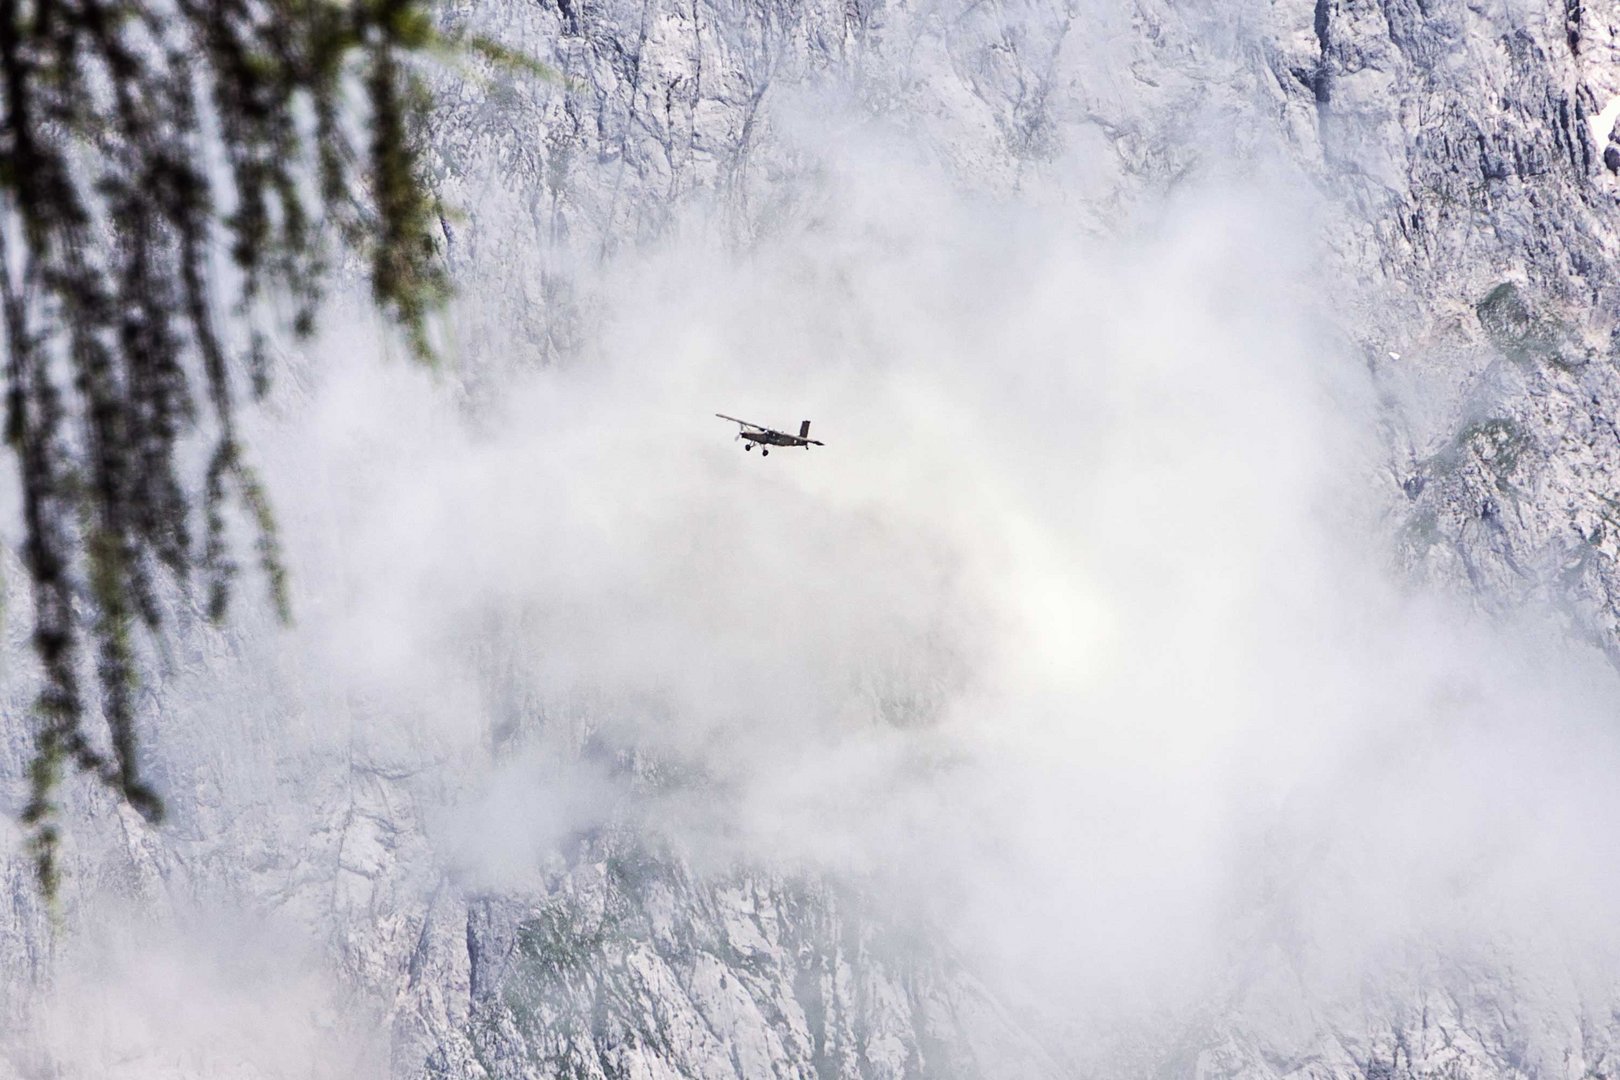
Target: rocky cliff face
{"points": [[1461, 165]]}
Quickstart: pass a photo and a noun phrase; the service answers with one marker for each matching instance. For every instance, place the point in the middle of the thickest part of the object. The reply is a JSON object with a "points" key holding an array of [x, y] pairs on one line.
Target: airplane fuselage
{"points": [[774, 438]]}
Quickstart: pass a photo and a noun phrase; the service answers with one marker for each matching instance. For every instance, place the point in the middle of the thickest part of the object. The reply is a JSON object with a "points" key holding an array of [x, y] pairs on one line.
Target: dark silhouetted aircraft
{"points": [[769, 437]]}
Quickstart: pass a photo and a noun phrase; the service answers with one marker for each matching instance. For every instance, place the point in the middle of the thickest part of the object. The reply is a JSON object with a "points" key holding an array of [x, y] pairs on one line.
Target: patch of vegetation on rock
{"points": [[1498, 443], [1521, 334]]}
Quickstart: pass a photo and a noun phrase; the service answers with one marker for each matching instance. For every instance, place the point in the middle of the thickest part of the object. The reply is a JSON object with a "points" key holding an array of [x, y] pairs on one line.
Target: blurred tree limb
{"points": [[168, 168]]}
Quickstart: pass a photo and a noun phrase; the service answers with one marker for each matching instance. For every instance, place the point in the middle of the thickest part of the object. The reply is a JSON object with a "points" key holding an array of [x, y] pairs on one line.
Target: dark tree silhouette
{"points": [[172, 173]]}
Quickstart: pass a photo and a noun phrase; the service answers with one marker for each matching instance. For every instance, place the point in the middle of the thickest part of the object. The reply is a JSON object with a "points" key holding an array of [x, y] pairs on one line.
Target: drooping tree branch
{"points": [[167, 169]]}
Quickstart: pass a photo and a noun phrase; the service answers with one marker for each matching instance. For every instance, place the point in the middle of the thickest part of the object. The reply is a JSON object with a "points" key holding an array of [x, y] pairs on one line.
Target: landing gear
{"points": [[764, 452], [748, 446]]}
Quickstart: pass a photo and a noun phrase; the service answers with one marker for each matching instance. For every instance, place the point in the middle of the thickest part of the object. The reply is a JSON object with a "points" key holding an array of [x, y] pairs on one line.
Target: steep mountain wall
{"points": [[576, 765]]}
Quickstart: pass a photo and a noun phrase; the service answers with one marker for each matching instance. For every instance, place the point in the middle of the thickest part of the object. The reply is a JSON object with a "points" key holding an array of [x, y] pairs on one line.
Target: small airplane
{"points": [[769, 437]]}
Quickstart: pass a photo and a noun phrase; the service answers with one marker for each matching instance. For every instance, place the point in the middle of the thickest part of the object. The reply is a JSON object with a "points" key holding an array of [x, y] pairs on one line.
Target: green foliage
{"points": [[561, 941], [161, 163], [1497, 443], [1522, 335]]}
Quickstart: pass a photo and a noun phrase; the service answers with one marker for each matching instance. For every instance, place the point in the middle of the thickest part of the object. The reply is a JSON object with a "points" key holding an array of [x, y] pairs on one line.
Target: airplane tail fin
{"points": [[804, 429]]}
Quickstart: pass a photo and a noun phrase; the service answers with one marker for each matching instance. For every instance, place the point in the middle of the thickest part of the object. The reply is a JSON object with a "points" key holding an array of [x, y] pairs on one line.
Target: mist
{"points": [[1083, 640]]}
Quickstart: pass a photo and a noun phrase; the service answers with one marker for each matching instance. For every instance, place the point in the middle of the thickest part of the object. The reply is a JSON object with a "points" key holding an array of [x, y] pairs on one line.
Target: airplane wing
{"points": [[746, 424]]}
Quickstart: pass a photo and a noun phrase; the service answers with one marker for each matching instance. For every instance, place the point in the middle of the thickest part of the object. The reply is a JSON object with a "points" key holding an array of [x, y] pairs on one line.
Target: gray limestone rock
{"points": [[1467, 154]]}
